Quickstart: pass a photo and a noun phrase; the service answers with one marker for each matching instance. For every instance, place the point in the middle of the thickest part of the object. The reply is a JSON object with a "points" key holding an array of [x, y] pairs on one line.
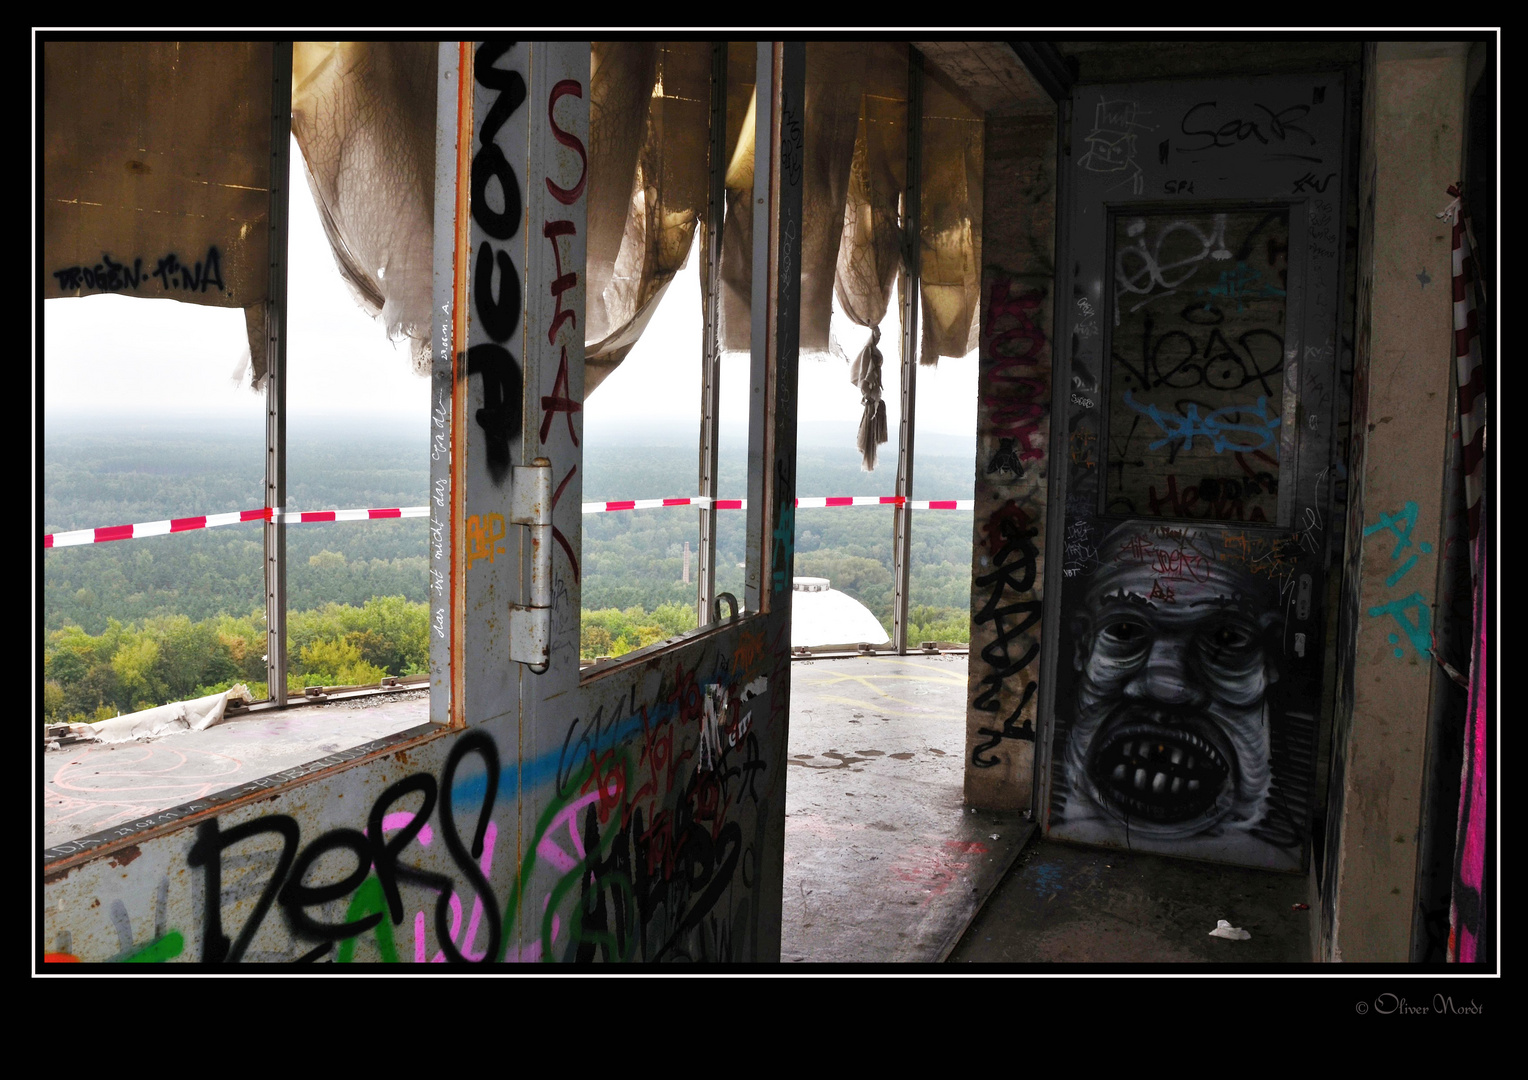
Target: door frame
{"points": [[1147, 170]]}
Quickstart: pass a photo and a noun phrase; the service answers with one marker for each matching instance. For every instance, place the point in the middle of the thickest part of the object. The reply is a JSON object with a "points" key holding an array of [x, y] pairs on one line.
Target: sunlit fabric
{"points": [[835, 78], [860, 211], [621, 78], [156, 173], [363, 113], [835, 89], [870, 249], [734, 289], [667, 200], [950, 269], [157, 159]]}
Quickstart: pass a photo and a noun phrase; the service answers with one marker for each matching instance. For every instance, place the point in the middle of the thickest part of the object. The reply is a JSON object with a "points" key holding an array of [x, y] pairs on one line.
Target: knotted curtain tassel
{"points": [[865, 373]]}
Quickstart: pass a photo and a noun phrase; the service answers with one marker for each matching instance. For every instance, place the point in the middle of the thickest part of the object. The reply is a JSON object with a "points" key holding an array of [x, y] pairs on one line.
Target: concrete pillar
{"points": [[1012, 458], [1414, 96]]}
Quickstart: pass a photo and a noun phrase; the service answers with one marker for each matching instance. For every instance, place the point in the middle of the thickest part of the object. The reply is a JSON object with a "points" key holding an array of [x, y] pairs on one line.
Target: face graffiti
{"points": [[1170, 738]]}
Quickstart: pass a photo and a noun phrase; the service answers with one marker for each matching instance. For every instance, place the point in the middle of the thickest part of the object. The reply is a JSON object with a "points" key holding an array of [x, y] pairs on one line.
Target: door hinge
{"points": [[530, 623]]}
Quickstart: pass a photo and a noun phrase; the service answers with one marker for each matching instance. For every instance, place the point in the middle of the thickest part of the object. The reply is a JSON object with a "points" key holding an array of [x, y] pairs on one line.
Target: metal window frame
{"points": [[710, 390], [771, 336], [912, 249], [762, 328], [910, 299], [274, 532]]}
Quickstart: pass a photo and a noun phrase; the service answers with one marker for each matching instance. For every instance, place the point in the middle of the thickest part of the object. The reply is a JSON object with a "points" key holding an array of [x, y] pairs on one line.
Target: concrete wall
{"points": [[1012, 458], [1402, 396]]}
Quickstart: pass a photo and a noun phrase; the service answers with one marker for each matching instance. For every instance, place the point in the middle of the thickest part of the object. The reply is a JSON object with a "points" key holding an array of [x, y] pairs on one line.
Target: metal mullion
{"points": [[911, 251], [761, 330], [710, 391], [275, 384]]}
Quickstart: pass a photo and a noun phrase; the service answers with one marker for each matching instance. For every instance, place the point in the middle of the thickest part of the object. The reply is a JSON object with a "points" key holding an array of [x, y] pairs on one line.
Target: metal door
{"points": [[1199, 304]]}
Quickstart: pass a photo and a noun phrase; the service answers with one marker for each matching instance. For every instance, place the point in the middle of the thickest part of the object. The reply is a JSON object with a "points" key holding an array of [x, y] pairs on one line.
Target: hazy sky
{"points": [[135, 358]]}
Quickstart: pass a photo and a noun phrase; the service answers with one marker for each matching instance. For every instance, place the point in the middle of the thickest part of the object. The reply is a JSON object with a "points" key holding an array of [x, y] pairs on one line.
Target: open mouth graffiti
{"points": [[1159, 773]]}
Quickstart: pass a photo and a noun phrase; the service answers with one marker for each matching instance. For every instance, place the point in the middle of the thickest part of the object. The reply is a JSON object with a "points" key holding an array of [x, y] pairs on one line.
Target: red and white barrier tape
{"points": [[292, 517], [212, 521], [801, 504]]}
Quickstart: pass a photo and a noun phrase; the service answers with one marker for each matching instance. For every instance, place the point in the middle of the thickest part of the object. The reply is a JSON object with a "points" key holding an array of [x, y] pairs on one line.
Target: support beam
{"points": [[1014, 455], [776, 324], [451, 215], [711, 357], [1403, 391], [1047, 67], [275, 382], [912, 248]]}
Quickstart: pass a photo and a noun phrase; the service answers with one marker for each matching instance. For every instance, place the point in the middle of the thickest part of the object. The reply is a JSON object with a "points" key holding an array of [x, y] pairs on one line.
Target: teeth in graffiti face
{"points": [[1164, 773]]}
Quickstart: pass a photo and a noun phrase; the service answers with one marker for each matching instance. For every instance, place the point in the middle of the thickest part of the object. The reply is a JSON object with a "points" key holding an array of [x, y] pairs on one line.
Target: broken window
{"points": [[1196, 368]]}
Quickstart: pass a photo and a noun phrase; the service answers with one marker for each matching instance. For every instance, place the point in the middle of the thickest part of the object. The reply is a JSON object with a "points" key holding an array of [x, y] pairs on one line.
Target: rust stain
{"points": [[125, 856], [56, 875]]}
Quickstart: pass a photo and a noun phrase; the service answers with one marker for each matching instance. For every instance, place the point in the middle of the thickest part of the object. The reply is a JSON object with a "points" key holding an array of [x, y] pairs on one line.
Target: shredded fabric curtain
{"points": [[621, 78], [835, 90], [950, 267], [835, 77], [735, 288], [119, 217], [853, 183], [667, 196], [870, 249], [156, 173], [363, 113]]}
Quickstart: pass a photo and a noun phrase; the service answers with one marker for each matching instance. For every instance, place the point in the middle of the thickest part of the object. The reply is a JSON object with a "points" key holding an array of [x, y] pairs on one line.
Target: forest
{"points": [[135, 623]]}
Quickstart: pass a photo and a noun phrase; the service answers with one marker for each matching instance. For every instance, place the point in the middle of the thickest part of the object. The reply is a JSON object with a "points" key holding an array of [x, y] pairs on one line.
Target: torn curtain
{"points": [[363, 114], [157, 165], [156, 173]]}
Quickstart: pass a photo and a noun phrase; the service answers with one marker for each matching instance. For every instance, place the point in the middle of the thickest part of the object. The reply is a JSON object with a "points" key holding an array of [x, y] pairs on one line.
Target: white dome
{"points": [[824, 616]]}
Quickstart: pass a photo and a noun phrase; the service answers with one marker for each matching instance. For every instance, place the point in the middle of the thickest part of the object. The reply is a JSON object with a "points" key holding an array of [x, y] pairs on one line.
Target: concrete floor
{"points": [[1063, 904], [883, 862], [884, 865]]}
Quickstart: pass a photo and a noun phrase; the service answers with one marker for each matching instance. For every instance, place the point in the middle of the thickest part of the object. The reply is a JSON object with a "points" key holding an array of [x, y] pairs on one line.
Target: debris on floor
{"points": [[1226, 930]]}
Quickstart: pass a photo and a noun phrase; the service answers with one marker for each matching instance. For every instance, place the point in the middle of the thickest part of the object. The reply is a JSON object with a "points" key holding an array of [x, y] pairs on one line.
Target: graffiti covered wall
{"points": [[645, 845], [1012, 459]]}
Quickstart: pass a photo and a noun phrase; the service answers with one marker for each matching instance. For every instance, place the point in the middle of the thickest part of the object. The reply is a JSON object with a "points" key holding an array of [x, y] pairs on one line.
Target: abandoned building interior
{"points": [[1231, 307]]}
